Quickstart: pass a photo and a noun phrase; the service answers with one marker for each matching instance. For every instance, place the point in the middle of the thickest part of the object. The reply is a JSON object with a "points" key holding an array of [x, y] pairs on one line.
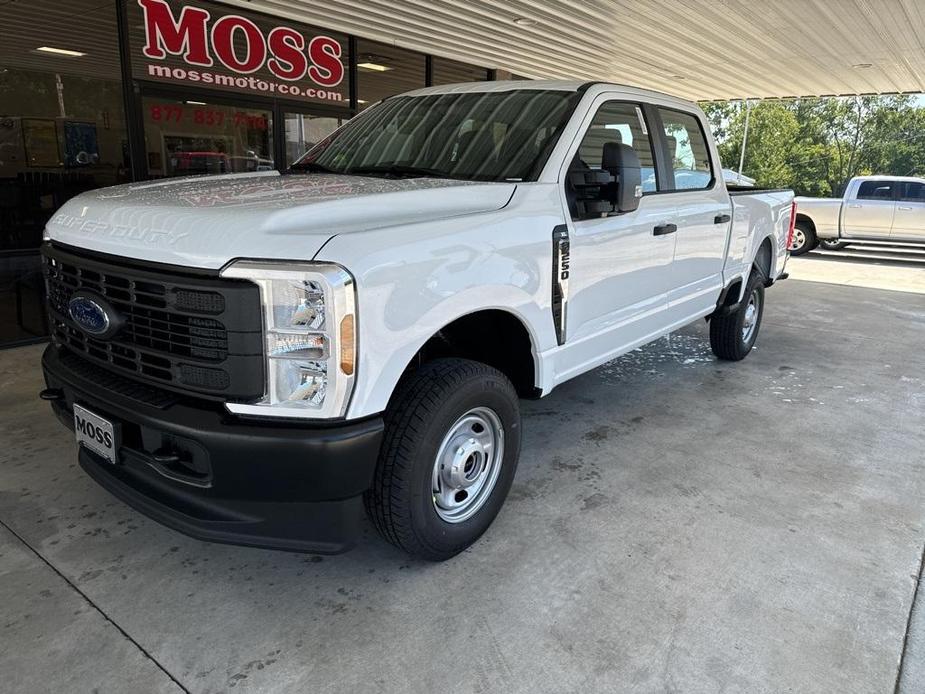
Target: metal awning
{"points": [[697, 49]]}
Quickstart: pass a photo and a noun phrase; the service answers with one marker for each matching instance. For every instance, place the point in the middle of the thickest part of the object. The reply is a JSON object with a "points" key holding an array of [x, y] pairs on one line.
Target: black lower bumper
{"points": [[199, 470]]}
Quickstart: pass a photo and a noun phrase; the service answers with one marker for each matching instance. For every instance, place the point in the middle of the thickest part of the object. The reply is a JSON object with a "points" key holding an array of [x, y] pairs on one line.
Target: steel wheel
{"points": [[467, 465], [798, 241], [750, 320]]}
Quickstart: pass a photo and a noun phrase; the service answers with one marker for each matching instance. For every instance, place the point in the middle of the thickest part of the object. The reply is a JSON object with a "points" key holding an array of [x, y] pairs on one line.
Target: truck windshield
{"points": [[482, 136]]}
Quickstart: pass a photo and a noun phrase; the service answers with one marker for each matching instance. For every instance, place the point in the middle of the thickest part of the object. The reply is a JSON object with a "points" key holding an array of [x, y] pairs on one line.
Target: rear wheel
{"points": [[804, 239], [732, 336], [832, 244], [451, 445]]}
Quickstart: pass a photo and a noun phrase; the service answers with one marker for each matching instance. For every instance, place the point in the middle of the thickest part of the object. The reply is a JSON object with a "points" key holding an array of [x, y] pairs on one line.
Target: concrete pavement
{"points": [[677, 524]]}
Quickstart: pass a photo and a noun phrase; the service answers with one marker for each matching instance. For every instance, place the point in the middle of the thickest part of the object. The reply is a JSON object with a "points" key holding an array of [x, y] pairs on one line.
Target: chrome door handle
{"points": [[855, 207], [904, 208]]}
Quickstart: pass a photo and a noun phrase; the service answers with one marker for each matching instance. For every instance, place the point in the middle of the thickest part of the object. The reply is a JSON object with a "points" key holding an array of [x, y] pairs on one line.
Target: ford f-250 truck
{"points": [[251, 358], [888, 209]]}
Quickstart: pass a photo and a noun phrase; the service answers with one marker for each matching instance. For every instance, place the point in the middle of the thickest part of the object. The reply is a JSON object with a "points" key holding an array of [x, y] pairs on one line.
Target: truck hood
{"points": [[205, 221]]}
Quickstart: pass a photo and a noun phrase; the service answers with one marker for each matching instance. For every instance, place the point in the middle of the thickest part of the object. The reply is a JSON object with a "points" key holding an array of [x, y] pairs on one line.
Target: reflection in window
{"points": [[488, 136], [62, 132], [446, 71], [384, 70], [184, 138]]}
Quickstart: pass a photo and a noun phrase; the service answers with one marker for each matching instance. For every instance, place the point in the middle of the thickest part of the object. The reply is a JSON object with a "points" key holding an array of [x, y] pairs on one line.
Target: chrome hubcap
{"points": [[799, 238], [751, 318], [467, 465]]}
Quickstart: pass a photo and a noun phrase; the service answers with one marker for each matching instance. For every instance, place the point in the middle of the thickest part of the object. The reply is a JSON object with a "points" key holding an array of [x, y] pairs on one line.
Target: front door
{"points": [[619, 264], [909, 219], [870, 214]]}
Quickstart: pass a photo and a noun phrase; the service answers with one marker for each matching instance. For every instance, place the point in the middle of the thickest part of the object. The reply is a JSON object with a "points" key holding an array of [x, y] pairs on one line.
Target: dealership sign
{"points": [[201, 46]]}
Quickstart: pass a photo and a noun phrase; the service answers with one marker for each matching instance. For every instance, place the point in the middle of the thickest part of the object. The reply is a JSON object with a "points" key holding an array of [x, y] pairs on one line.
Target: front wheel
{"points": [[804, 239], [733, 336], [452, 440]]}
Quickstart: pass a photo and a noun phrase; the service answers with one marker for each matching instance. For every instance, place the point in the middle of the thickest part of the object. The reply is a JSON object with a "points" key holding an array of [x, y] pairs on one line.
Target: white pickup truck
{"points": [[251, 358], [888, 209]]}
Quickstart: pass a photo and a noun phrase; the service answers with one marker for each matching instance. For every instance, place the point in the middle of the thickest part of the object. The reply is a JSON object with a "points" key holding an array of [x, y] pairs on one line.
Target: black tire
{"points": [[726, 332], [804, 239], [426, 407], [832, 244]]}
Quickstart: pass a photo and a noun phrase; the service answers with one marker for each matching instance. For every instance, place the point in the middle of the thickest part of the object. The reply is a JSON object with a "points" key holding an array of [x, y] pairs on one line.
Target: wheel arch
{"points": [[511, 347]]}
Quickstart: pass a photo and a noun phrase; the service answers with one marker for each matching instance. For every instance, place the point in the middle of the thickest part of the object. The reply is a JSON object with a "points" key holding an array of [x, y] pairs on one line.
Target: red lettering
{"points": [[223, 33], [288, 61], [326, 68], [164, 34]]}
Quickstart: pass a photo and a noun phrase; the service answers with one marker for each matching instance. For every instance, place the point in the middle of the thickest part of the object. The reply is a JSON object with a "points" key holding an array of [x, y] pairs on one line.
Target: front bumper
{"points": [[199, 470]]}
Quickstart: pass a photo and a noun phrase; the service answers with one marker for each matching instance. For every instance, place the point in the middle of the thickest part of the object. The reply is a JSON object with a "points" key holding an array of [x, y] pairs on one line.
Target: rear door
{"points": [[704, 214], [909, 218], [619, 263], [870, 212]]}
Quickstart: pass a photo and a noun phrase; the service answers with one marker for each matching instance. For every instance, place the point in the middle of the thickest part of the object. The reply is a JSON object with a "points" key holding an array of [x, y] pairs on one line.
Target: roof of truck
{"points": [[557, 85], [887, 177]]}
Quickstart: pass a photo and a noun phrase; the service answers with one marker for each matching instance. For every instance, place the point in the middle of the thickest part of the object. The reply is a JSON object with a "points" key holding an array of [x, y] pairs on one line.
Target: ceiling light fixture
{"points": [[195, 103], [862, 66], [375, 67], [524, 21], [60, 51]]}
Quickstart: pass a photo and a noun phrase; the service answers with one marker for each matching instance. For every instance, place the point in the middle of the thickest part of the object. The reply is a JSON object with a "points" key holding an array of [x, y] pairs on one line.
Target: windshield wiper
{"points": [[311, 167], [398, 171]]}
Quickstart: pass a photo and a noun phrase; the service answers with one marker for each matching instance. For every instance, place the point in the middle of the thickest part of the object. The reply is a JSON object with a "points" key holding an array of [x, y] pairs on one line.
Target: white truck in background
{"points": [[252, 358], [886, 209]]}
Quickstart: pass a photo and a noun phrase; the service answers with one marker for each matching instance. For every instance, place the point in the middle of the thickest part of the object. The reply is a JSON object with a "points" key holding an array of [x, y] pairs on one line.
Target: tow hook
{"points": [[52, 394]]}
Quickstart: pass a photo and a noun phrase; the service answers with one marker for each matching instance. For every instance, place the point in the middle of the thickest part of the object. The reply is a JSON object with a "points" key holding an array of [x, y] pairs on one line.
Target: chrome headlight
{"points": [[309, 324]]}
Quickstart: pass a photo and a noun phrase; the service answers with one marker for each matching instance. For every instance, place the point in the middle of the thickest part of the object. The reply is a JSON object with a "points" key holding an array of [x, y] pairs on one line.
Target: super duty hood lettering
{"points": [[206, 221]]}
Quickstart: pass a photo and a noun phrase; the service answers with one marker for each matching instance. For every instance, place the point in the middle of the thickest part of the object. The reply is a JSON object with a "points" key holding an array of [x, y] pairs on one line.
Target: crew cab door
{"points": [[620, 262], [909, 218], [869, 211], [704, 214]]}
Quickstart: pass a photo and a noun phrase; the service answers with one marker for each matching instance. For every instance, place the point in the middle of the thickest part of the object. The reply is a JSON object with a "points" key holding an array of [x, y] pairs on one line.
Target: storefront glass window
{"points": [[62, 131], [446, 71], [384, 70], [185, 137], [303, 131]]}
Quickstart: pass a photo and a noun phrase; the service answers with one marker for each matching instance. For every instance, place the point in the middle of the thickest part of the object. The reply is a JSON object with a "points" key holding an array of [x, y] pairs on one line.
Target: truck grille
{"points": [[196, 333]]}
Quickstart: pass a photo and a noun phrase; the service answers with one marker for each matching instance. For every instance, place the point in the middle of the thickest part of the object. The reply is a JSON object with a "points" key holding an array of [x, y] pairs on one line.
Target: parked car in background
{"points": [[874, 208], [252, 358]]}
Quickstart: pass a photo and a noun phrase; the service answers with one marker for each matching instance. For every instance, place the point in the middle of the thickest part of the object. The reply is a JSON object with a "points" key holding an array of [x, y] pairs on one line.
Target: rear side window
{"points": [[913, 192], [876, 190], [687, 150], [623, 123]]}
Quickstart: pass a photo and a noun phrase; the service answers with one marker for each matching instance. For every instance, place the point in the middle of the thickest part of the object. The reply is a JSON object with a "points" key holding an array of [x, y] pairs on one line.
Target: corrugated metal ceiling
{"points": [[698, 49]]}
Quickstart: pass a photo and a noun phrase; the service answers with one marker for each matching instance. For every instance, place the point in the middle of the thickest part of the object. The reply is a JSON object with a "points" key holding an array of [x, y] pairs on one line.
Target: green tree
{"points": [[816, 145]]}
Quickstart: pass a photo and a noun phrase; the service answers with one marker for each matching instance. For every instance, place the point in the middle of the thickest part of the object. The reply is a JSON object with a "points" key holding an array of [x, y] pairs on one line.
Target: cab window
{"points": [[876, 190], [622, 123], [687, 150]]}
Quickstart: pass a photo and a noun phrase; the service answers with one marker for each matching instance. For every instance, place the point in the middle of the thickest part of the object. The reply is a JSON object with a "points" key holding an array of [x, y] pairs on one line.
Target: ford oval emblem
{"points": [[91, 314]]}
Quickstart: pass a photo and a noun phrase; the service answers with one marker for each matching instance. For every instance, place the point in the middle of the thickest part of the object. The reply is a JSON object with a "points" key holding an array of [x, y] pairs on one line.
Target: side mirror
{"points": [[622, 162]]}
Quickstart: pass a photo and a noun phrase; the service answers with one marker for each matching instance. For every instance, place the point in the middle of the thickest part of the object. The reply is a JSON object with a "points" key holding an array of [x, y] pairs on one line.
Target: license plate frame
{"points": [[97, 434]]}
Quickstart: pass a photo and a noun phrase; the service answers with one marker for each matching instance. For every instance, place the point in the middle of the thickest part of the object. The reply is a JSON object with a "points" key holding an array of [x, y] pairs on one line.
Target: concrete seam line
{"points": [[915, 598], [95, 607]]}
